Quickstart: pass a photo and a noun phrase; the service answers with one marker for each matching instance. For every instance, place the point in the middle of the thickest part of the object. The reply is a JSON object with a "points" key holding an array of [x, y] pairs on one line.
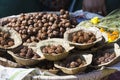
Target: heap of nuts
{"points": [[52, 49], [104, 57], [72, 63], [28, 53], [39, 26], [83, 37], [5, 40]]}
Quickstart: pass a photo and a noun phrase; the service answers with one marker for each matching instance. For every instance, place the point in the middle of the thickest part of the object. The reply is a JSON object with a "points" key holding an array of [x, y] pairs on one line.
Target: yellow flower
{"points": [[95, 20], [102, 30], [115, 32], [112, 37]]}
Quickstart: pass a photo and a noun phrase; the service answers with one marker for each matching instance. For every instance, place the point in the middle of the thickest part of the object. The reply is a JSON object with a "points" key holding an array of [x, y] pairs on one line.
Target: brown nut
{"points": [[107, 55], [101, 59], [59, 49], [75, 38], [23, 50], [53, 47], [46, 25], [80, 33], [62, 11], [29, 53], [24, 36], [81, 39], [112, 55], [6, 35], [86, 37], [35, 56], [51, 19], [67, 24], [93, 38], [51, 51], [73, 64], [28, 40], [79, 60], [11, 43], [1, 38], [33, 38], [22, 54], [43, 35], [54, 26], [44, 50]]}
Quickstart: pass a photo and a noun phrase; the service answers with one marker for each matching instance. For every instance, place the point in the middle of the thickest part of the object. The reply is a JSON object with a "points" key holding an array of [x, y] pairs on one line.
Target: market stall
{"points": [[58, 46]]}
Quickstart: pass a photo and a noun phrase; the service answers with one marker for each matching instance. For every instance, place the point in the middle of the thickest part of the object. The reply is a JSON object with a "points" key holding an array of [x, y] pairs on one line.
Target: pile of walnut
{"points": [[28, 53], [5, 40], [103, 58], [39, 26], [52, 49], [83, 37], [76, 62]]}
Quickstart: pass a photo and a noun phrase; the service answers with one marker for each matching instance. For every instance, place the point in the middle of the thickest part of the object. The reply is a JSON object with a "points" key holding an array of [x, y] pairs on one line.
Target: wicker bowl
{"points": [[94, 30], [14, 35], [86, 57], [54, 41], [116, 59], [25, 61]]}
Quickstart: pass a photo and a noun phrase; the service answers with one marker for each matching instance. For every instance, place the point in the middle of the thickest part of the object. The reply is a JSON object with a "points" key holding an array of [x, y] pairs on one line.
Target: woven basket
{"points": [[94, 30], [24, 61], [54, 41], [115, 60], [14, 35], [87, 57]]}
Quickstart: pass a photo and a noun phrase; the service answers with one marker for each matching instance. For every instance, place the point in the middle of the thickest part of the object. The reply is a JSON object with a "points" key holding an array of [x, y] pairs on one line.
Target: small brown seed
{"points": [[10, 43], [22, 54]]}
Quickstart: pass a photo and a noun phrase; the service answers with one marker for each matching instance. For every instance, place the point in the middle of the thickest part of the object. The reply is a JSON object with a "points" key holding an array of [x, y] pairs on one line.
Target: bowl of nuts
{"points": [[74, 64], [9, 38], [107, 57], [83, 38], [54, 49], [25, 55]]}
